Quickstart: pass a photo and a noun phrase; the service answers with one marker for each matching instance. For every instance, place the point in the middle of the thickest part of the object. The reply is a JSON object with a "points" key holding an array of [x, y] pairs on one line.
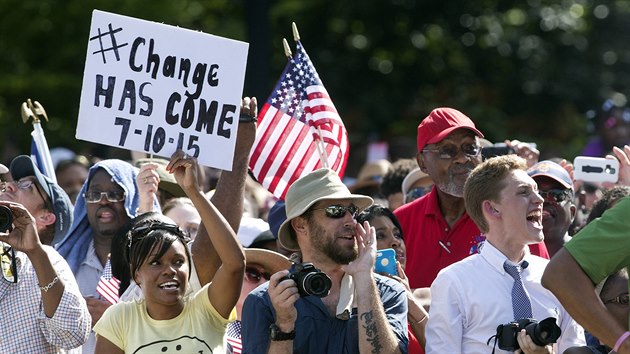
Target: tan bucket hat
{"points": [[308, 190], [273, 262]]}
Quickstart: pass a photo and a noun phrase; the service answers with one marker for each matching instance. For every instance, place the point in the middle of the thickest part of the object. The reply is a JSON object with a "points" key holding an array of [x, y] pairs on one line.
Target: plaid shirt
{"points": [[25, 326]]}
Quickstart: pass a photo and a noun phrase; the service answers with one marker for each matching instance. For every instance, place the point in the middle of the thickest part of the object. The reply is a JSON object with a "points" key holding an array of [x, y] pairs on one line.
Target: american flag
{"points": [[233, 337], [298, 115], [108, 285]]}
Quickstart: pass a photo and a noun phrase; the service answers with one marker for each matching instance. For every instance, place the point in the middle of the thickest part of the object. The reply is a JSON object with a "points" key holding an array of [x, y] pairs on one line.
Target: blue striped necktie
{"points": [[521, 304]]}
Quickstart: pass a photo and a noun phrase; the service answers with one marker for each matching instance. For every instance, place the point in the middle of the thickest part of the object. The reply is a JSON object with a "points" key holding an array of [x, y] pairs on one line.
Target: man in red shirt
{"points": [[437, 229]]}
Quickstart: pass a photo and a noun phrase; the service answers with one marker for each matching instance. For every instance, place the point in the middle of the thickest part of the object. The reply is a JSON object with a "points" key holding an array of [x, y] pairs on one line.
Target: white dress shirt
{"points": [[472, 297]]}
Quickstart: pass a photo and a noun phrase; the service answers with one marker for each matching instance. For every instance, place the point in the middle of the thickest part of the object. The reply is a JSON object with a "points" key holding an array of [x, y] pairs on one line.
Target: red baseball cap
{"points": [[440, 123]]}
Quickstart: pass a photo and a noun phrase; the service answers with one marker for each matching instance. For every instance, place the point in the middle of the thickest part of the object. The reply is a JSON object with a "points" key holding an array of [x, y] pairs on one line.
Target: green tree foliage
{"points": [[521, 69]]}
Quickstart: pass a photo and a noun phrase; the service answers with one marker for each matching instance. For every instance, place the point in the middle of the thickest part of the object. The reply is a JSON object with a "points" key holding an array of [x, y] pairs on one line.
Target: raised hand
{"points": [[365, 236], [185, 170]]}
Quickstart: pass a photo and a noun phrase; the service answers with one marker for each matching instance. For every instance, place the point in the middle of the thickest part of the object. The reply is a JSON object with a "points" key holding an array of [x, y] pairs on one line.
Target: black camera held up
{"points": [[310, 280], [6, 218], [542, 333]]}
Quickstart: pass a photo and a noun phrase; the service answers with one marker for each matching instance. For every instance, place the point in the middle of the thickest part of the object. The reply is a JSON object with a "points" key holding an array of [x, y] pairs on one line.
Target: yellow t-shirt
{"points": [[198, 329]]}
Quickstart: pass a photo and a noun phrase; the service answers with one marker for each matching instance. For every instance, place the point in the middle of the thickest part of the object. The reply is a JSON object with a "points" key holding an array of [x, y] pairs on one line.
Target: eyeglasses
{"points": [[558, 196], [338, 211], [8, 264], [253, 275], [96, 197], [622, 299], [449, 151], [23, 184], [416, 193], [26, 184]]}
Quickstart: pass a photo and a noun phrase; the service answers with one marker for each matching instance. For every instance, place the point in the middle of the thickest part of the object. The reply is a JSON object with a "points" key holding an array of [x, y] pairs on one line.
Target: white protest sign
{"points": [[156, 88]]}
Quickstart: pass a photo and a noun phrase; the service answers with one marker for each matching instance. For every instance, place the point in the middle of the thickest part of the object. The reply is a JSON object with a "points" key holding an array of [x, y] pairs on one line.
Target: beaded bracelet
{"points": [[50, 285]]}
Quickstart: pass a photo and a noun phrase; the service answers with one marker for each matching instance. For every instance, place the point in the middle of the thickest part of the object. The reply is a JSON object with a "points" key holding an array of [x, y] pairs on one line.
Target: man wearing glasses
{"points": [[556, 187], [41, 306], [438, 231], [361, 312]]}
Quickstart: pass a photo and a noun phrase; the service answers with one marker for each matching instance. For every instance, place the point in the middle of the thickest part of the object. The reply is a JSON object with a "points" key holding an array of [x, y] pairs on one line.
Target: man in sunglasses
{"points": [[556, 188], [598, 250], [362, 311], [41, 306], [438, 231]]}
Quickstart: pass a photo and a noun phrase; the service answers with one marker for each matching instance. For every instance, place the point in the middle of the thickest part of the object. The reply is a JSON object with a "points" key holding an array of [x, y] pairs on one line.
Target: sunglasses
{"points": [[338, 211], [558, 196], [621, 299], [416, 193], [449, 152], [8, 264], [145, 230], [96, 197], [253, 275]]}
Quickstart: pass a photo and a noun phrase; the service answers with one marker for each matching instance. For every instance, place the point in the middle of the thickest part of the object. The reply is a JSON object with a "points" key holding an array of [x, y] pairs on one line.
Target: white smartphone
{"points": [[386, 261], [595, 169]]}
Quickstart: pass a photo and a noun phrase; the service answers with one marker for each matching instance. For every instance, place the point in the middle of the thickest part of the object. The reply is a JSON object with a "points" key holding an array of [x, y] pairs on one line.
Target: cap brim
{"points": [[559, 180], [440, 136], [23, 166], [272, 261]]}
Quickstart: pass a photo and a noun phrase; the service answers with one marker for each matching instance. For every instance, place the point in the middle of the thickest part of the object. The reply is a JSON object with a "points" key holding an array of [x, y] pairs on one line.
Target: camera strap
{"points": [[494, 347]]}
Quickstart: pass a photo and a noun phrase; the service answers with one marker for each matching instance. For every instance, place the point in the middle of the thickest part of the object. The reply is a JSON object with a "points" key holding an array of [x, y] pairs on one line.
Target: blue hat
{"points": [[552, 170], [277, 215], [23, 166]]}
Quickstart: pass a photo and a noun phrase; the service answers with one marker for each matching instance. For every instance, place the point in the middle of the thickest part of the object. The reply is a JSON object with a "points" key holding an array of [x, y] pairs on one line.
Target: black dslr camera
{"points": [[542, 333], [6, 218], [310, 280]]}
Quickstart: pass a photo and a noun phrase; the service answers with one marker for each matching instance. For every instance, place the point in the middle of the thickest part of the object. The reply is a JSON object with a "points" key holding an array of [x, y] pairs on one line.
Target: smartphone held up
{"points": [[386, 261], [595, 169]]}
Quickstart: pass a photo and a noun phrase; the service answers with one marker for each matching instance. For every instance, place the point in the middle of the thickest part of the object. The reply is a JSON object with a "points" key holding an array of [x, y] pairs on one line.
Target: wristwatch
{"points": [[276, 333]]}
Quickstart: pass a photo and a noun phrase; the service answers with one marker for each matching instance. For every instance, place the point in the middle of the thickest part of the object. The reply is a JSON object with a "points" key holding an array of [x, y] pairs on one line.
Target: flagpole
{"points": [[35, 112], [296, 34], [287, 49], [323, 156]]}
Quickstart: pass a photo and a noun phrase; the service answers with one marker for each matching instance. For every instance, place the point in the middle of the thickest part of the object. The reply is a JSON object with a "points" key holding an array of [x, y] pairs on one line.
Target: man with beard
{"points": [[556, 187], [362, 312], [438, 230]]}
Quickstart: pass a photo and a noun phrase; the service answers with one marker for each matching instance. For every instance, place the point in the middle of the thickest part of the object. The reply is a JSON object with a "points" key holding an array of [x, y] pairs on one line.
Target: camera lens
{"points": [[6, 218], [317, 284], [544, 332]]}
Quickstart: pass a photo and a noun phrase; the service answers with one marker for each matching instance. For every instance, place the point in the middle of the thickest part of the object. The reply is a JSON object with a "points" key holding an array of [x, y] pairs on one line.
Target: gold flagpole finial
{"points": [[296, 34], [33, 111], [287, 49]]}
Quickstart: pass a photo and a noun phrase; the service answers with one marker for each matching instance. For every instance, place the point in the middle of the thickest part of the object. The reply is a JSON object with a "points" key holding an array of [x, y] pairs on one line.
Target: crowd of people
{"points": [[158, 255]]}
